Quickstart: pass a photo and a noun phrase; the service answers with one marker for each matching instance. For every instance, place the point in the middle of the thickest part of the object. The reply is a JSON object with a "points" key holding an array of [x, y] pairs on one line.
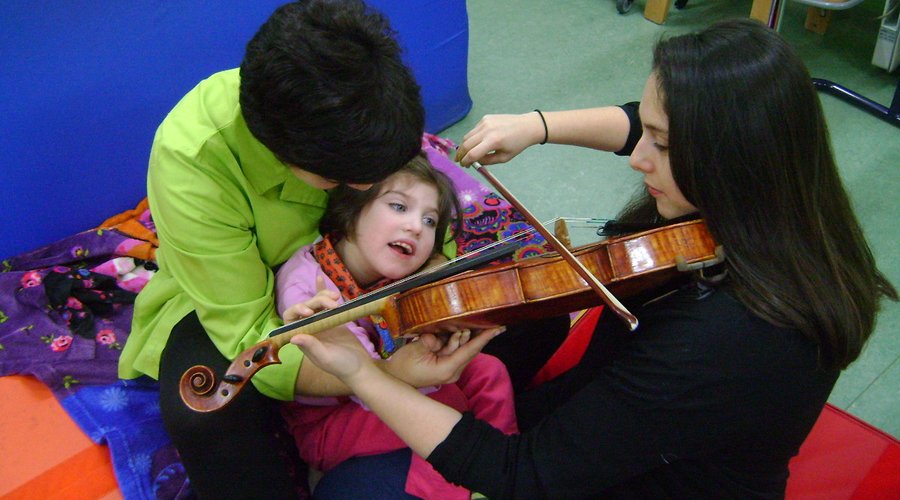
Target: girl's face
{"points": [[651, 156], [395, 233]]}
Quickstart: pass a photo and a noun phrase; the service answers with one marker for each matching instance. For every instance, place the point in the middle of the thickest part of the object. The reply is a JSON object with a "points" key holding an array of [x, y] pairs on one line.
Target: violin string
{"points": [[444, 265], [586, 222]]}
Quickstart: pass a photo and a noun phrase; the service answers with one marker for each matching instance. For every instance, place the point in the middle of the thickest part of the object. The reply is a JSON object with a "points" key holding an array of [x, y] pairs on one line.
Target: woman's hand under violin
{"points": [[419, 421], [427, 361], [336, 351], [499, 138], [450, 342]]}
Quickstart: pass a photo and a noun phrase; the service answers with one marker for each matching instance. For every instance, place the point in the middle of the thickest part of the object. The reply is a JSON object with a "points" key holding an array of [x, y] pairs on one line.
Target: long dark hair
{"points": [[749, 147], [345, 203]]}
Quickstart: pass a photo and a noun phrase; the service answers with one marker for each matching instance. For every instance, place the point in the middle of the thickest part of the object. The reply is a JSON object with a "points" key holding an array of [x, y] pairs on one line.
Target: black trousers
{"points": [[242, 450]]}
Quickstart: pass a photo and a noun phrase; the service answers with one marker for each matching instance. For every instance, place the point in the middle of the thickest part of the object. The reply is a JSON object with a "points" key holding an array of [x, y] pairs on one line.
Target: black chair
{"points": [[888, 114]]}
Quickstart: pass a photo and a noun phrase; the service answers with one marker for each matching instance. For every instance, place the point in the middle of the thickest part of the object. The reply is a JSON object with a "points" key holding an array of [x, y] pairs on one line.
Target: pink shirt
{"points": [[296, 282]]}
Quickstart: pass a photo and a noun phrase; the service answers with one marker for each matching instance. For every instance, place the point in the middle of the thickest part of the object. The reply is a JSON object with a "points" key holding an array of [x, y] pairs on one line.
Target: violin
{"points": [[547, 285], [502, 294]]}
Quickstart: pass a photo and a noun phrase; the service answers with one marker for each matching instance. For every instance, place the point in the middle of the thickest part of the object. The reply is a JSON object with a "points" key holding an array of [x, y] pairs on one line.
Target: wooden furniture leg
{"points": [[657, 10], [761, 10]]}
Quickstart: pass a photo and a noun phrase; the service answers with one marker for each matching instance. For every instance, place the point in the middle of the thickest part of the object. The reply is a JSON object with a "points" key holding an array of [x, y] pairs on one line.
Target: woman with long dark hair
{"points": [[725, 376]]}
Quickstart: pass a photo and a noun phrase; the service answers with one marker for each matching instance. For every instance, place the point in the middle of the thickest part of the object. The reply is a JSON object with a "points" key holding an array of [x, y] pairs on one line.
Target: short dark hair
{"points": [[749, 147], [324, 88], [345, 203]]}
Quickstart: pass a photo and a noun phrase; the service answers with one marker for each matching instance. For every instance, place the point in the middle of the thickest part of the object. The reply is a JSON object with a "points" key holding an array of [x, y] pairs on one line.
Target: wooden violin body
{"points": [[504, 294], [546, 285]]}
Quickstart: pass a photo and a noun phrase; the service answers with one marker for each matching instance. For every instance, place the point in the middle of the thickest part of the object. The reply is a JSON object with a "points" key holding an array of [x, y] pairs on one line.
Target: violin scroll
{"points": [[200, 390], [198, 386]]}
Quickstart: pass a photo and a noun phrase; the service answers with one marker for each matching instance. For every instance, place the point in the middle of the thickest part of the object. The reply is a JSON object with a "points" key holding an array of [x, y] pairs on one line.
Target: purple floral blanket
{"points": [[65, 313]]}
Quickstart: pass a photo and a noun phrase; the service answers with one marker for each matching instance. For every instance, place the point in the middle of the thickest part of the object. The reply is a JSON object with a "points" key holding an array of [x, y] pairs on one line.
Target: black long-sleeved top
{"points": [[703, 400]]}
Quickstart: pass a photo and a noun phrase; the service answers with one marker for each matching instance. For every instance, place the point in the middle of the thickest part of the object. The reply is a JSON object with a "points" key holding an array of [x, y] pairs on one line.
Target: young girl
{"points": [[720, 384], [371, 238]]}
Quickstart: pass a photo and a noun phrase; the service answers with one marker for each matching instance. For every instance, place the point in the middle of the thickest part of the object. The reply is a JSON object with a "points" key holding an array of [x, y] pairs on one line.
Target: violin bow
{"points": [[608, 298]]}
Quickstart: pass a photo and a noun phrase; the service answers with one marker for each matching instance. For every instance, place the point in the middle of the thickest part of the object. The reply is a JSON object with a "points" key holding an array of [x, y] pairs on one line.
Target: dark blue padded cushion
{"points": [[85, 84]]}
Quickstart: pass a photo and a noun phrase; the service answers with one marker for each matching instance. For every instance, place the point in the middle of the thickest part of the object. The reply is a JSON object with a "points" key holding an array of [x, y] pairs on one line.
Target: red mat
{"points": [[43, 454]]}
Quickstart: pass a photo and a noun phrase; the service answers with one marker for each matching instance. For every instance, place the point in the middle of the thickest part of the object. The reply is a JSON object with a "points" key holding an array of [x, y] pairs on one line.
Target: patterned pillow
{"points": [[486, 217]]}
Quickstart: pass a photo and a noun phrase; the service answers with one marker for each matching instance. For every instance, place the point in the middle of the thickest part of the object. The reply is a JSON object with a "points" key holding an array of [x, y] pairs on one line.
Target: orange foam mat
{"points": [[43, 454]]}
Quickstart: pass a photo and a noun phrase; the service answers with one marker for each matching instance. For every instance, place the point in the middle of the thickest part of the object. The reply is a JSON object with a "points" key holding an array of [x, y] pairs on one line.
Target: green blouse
{"points": [[226, 211]]}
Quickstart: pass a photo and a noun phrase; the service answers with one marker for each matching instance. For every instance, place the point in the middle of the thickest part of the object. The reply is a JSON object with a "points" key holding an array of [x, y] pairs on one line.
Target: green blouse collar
{"points": [[265, 172]]}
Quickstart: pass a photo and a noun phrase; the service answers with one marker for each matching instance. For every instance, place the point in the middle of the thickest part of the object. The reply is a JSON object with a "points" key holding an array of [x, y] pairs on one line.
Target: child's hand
{"points": [[322, 300]]}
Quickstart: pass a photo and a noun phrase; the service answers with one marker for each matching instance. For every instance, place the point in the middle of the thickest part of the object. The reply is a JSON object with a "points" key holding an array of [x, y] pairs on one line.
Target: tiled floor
{"points": [[563, 54]]}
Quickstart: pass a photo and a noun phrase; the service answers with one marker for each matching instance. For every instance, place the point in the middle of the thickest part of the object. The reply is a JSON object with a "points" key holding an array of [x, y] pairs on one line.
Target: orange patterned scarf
{"points": [[337, 272]]}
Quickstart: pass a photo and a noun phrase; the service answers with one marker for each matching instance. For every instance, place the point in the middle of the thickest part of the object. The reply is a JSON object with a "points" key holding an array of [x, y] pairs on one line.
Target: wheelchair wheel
{"points": [[623, 6]]}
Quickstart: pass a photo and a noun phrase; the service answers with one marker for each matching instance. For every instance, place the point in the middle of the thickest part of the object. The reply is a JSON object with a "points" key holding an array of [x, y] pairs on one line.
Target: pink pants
{"points": [[328, 435]]}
